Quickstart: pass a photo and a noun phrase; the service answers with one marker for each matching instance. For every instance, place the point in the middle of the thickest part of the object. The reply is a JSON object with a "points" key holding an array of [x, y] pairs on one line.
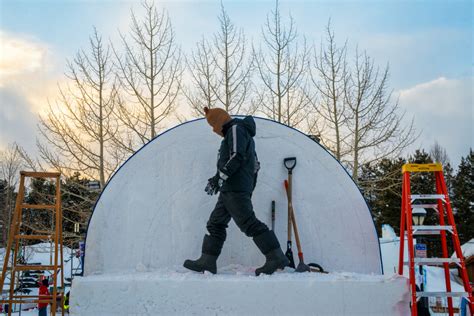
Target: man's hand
{"points": [[214, 184]]}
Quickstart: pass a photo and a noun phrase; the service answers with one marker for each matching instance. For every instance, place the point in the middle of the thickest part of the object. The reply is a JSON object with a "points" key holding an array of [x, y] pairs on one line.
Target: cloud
{"points": [[443, 111], [19, 57], [17, 122], [28, 76]]}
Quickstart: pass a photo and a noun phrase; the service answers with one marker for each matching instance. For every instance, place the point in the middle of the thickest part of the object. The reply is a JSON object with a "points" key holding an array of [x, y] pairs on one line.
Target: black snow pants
{"points": [[238, 206]]}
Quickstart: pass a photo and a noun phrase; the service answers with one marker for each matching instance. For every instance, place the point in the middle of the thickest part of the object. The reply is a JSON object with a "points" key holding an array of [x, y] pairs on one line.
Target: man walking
{"points": [[236, 176]]}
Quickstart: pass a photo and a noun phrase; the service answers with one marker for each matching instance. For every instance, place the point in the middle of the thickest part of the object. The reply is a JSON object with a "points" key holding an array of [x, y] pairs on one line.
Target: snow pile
{"points": [[388, 233], [435, 282], [467, 249], [390, 248], [236, 291]]}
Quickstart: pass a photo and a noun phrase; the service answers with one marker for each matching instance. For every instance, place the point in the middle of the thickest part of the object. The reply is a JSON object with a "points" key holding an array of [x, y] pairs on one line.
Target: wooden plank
{"points": [[39, 206], [33, 267], [43, 297], [34, 237], [42, 174], [18, 301]]}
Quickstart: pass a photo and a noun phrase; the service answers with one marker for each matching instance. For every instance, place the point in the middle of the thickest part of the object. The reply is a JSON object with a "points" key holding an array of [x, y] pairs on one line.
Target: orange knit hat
{"points": [[217, 118]]}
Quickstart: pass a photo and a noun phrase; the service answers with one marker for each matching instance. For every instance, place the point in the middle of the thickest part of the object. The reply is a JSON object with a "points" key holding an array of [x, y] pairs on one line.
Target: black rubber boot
{"points": [[270, 247], [211, 249]]}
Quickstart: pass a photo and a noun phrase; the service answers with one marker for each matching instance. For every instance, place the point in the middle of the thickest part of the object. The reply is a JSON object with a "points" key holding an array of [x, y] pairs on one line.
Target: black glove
{"points": [[214, 184]]}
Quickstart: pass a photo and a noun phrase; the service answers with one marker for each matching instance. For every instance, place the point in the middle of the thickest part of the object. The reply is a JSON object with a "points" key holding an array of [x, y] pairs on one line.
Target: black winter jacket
{"points": [[237, 161]]}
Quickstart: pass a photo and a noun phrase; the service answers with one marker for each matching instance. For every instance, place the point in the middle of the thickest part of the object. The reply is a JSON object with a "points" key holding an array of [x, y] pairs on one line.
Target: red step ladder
{"points": [[443, 208]]}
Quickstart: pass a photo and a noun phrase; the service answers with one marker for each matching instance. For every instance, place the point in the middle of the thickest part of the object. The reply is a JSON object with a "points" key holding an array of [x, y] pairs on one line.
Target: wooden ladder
{"points": [[443, 207], [16, 236]]}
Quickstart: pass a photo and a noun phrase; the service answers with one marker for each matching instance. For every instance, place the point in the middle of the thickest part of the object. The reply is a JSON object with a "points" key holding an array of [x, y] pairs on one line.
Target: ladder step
{"points": [[39, 206], [35, 237], [414, 197], [431, 229], [425, 167], [436, 261], [441, 294], [432, 206], [25, 301], [34, 174], [34, 267]]}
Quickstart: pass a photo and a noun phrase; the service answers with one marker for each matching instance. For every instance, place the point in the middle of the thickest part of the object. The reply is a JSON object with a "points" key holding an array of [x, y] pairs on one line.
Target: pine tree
{"points": [[463, 198], [381, 184], [39, 191], [77, 201]]}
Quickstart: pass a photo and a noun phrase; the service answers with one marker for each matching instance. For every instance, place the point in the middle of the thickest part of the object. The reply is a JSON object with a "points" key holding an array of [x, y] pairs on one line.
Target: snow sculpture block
{"points": [[153, 212], [173, 293]]}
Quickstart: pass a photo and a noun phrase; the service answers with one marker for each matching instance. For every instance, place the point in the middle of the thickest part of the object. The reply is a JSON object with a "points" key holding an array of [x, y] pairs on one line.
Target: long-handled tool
{"points": [[289, 163], [273, 215], [302, 267]]}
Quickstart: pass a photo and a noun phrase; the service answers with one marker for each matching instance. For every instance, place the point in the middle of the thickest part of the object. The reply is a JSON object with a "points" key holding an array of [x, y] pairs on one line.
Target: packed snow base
{"points": [[236, 291]]}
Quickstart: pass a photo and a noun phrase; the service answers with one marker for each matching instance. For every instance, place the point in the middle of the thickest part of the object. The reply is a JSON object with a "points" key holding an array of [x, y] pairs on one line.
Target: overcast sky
{"points": [[428, 45]]}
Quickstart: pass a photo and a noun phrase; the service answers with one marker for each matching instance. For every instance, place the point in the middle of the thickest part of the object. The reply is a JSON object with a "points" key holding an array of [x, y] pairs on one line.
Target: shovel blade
{"points": [[302, 267]]}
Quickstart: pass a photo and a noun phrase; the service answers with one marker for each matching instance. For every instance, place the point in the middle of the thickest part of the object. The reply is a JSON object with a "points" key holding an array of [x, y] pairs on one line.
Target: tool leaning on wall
{"points": [[290, 164]]}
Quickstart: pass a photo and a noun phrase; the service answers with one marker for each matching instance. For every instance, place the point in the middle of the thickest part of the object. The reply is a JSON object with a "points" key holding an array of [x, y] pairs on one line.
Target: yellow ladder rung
{"points": [[422, 167]]}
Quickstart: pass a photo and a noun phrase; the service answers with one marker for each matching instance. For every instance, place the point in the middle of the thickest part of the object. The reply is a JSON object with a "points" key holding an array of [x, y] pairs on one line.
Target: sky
{"points": [[428, 46]]}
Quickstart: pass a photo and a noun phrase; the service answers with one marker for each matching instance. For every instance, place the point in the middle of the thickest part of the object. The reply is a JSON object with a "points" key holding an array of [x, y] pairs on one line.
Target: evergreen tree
{"points": [[77, 201], [381, 184], [39, 191], [463, 198]]}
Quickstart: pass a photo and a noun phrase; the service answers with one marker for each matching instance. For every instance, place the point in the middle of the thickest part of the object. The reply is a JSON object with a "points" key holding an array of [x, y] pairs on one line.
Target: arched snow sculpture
{"points": [[153, 212]]}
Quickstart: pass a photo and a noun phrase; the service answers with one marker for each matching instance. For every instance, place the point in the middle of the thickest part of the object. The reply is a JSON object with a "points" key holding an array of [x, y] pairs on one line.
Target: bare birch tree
{"points": [[150, 74], [328, 76], [202, 70], [376, 127], [220, 70], [10, 165], [282, 67], [438, 154], [79, 126]]}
